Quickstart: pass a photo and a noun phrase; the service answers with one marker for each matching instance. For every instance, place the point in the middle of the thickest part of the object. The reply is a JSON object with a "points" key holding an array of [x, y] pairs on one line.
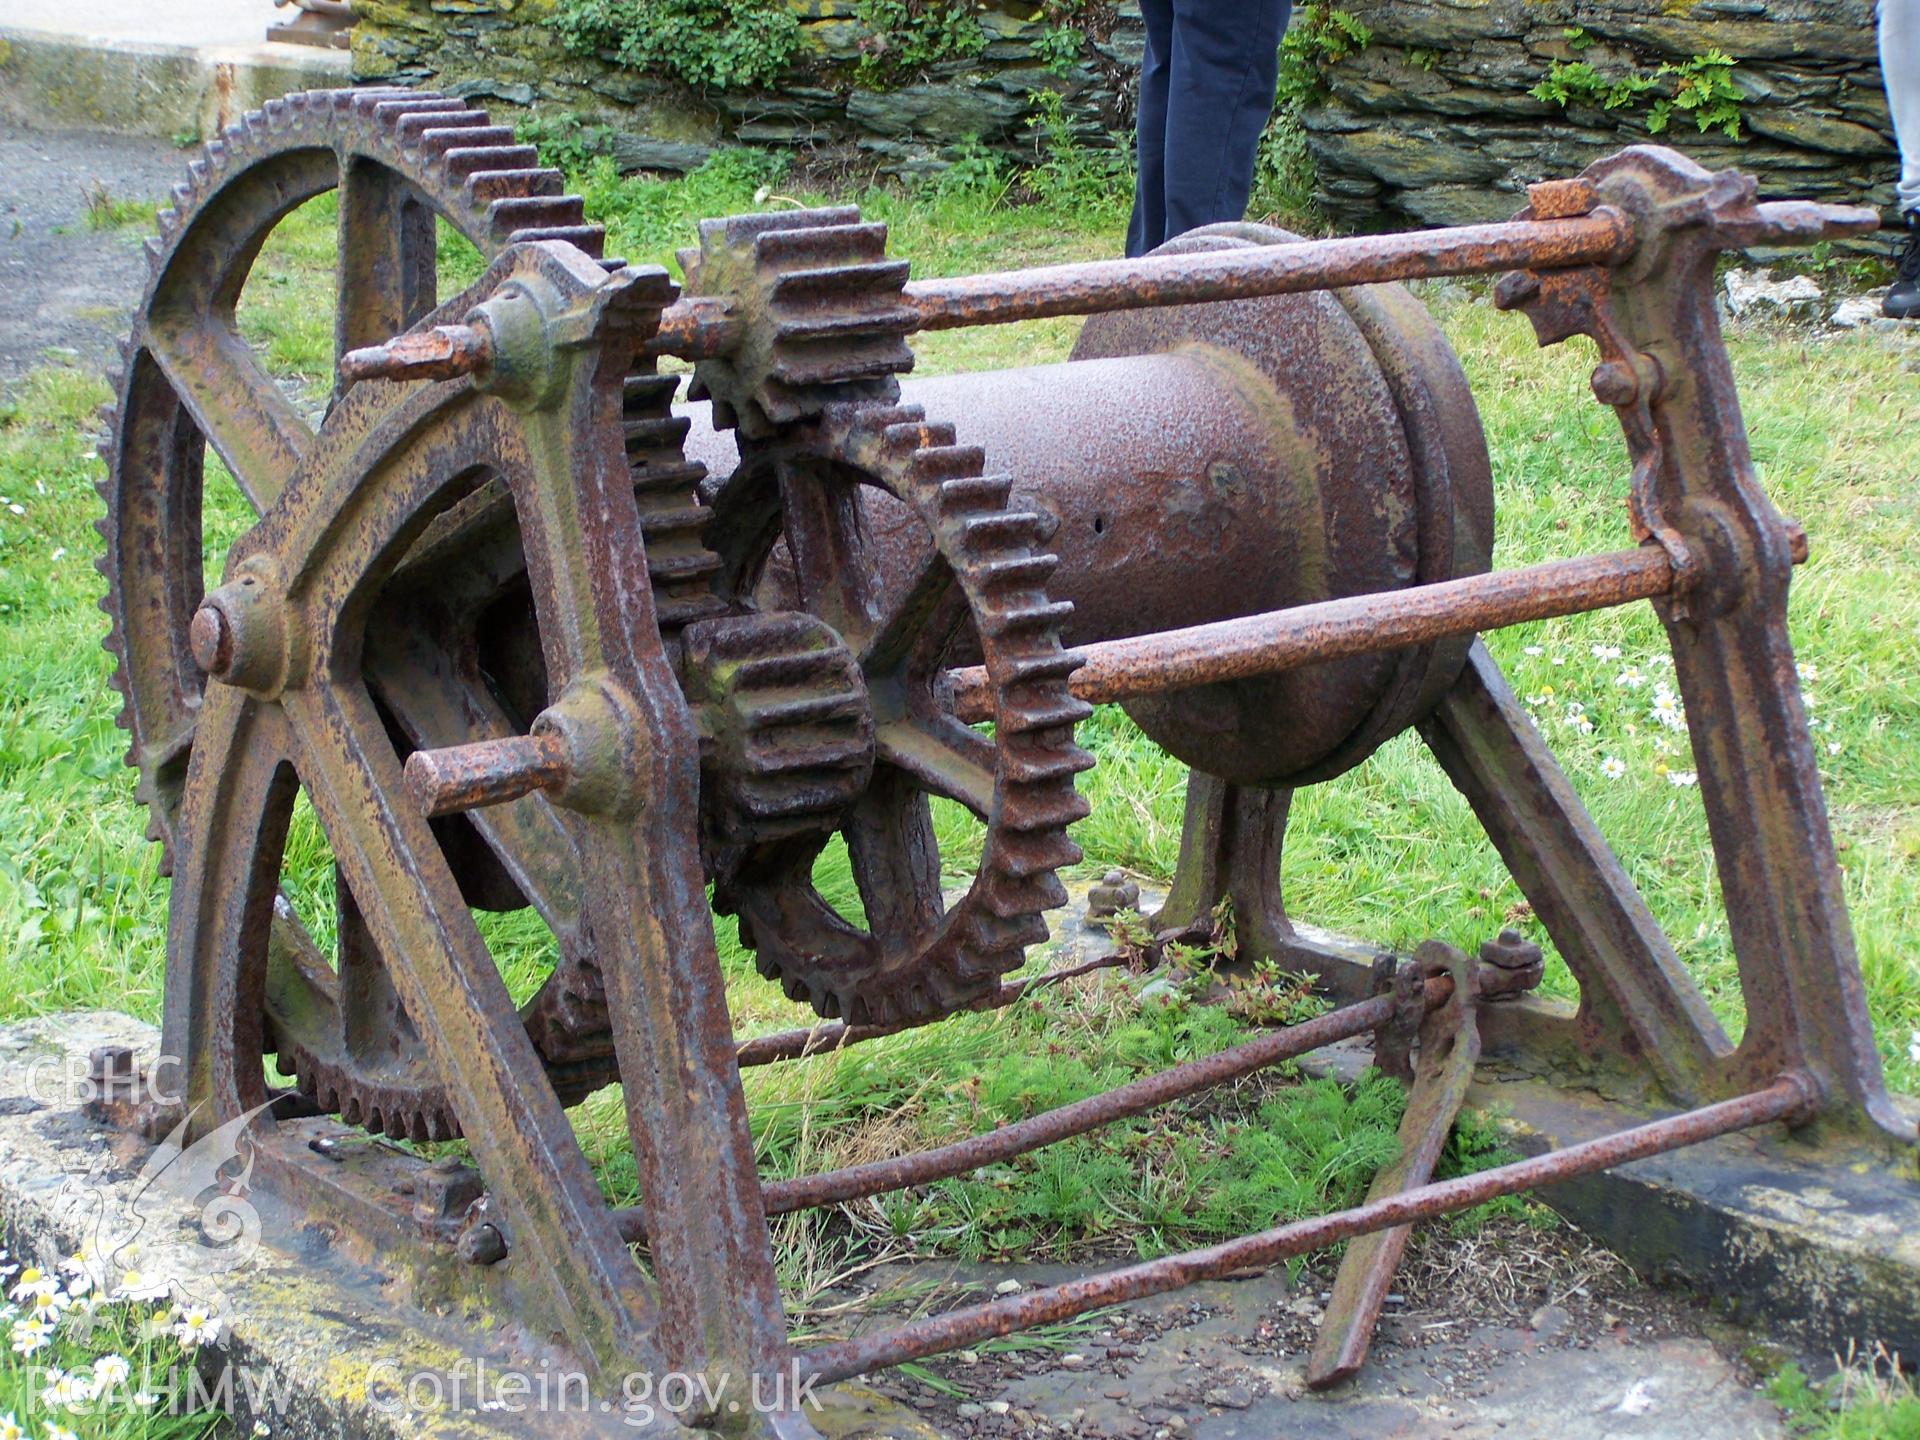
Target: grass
{"points": [[1388, 851], [104, 1364], [1865, 1399]]}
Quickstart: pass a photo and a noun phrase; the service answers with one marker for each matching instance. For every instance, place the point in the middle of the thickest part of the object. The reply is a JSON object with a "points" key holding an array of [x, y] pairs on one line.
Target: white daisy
{"points": [[1613, 767], [195, 1326], [1682, 778], [135, 1286]]}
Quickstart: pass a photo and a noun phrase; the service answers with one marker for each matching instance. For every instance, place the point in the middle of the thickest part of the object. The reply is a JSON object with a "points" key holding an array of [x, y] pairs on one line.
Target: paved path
{"points": [[66, 290]]}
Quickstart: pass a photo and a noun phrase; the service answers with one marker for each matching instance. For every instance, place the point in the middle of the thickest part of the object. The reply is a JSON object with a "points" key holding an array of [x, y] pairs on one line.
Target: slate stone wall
{"points": [[1433, 120], [507, 50]]}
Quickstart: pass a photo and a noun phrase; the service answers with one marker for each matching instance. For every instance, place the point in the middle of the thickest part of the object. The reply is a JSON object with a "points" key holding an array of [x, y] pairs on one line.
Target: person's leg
{"points": [[1900, 71], [1219, 95], [1148, 227]]}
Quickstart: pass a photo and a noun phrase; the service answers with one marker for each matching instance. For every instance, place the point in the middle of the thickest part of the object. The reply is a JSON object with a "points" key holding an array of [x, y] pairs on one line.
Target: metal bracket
{"points": [[1449, 1046]]}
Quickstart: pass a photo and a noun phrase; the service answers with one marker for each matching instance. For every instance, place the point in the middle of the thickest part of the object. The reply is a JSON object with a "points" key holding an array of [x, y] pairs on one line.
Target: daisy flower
{"points": [[109, 1371], [135, 1286], [1613, 767], [195, 1326], [33, 1282]]}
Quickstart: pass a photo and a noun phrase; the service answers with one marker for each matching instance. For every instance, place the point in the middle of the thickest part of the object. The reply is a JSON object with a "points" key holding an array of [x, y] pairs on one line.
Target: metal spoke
{"points": [[384, 277], [836, 566], [251, 424], [412, 906], [896, 860], [233, 830], [943, 756], [922, 621]]}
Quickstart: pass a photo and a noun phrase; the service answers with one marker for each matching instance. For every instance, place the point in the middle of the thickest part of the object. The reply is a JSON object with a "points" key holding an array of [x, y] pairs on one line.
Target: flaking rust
{"points": [[531, 631]]}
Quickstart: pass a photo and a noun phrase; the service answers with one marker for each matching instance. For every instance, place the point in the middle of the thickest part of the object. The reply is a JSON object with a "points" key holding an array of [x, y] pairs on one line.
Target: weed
{"points": [[724, 44], [1320, 37], [1865, 1399], [106, 211], [1701, 87], [908, 35], [1072, 177]]}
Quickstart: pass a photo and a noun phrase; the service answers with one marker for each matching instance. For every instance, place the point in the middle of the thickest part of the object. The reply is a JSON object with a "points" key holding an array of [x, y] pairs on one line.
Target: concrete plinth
{"points": [[138, 68]]}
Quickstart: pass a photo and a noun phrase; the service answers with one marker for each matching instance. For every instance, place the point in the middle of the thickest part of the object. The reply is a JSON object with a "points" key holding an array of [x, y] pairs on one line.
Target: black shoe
{"points": [[1903, 301]]}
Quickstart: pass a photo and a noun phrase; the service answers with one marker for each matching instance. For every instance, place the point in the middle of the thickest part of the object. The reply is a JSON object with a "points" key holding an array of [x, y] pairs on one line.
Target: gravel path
{"points": [[66, 289]]}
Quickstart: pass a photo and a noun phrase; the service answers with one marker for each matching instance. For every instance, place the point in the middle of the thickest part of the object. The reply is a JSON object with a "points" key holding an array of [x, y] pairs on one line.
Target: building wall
{"points": [[1432, 121]]}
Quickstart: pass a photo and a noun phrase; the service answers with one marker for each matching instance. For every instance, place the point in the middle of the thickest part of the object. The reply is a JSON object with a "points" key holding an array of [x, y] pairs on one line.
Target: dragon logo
{"points": [[209, 1178]]}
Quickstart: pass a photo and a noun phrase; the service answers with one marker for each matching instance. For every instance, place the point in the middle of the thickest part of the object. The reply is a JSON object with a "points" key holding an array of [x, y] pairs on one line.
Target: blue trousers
{"points": [[1206, 89]]}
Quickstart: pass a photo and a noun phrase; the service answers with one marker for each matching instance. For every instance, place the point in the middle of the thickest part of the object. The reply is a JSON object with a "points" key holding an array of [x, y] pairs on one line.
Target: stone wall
{"points": [[1430, 122], [1433, 121], [507, 50]]}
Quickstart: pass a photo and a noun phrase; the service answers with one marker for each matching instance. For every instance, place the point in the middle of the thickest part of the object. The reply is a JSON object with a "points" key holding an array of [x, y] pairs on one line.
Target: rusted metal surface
{"points": [[1099, 285], [487, 772], [519, 649], [1263, 644], [1791, 1098], [1449, 1048], [440, 353]]}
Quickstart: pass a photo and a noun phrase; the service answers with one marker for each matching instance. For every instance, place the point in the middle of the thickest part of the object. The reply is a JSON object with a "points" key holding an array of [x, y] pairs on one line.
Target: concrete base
{"points": [[319, 1341], [138, 68]]}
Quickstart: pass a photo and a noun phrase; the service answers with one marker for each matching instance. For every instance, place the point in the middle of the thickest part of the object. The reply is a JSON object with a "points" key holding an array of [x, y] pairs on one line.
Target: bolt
{"points": [[236, 634], [1113, 894], [482, 1244], [1615, 384], [1510, 950], [110, 1062], [445, 1189], [1515, 289], [211, 639]]}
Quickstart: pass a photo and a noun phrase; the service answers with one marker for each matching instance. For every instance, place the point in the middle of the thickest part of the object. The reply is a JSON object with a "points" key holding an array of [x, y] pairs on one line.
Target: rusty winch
{"points": [[532, 631]]}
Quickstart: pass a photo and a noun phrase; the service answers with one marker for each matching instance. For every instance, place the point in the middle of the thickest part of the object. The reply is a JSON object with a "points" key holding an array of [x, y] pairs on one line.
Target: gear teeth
{"points": [[462, 152], [822, 249], [991, 551], [1016, 899], [485, 186], [963, 489], [446, 144], [1022, 856], [1057, 665], [511, 218], [409, 129], [1008, 530], [1021, 716]]}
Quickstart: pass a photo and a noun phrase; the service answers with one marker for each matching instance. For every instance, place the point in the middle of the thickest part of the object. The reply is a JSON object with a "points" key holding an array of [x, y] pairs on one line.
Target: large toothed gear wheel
{"points": [[452, 665], [915, 957]]}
